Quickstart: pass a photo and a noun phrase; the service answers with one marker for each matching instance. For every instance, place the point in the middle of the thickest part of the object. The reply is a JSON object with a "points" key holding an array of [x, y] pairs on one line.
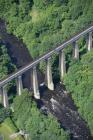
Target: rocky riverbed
{"points": [[57, 102]]}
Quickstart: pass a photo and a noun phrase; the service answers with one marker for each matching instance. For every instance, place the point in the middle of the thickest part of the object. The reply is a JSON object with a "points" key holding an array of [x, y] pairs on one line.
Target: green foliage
{"points": [[41, 4], [75, 8], [79, 81], [30, 119], [9, 122], [24, 7], [7, 128], [6, 66], [68, 28], [37, 20], [4, 7], [49, 23], [4, 113], [42, 25]]}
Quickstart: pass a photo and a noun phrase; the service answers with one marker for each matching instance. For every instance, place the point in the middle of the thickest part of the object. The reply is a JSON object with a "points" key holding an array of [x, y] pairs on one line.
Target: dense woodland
{"points": [[6, 67], [33, 122], [27, 116], [79, 81], [42, 25], [23, 113]]}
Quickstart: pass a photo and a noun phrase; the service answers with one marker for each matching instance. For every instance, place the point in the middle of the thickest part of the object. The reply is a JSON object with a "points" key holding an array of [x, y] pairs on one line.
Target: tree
{"points": [[30, 119], [79, 82], [6, 66], [4, 113]]}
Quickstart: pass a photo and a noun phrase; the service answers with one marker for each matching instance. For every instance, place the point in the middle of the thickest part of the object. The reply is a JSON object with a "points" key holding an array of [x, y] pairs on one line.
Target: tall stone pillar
{"points": [[89, 43], [19, 85], [76, 50], [35, 84], [49, 79], [5, 97], [62, 63]]}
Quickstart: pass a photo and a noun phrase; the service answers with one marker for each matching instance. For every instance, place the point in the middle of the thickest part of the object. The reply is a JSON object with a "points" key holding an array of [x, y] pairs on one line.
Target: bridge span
{"points": [[87, 34]]}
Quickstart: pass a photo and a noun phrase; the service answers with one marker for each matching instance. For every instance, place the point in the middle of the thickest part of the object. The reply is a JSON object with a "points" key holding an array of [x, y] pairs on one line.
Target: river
{"points": [[57, 102]]}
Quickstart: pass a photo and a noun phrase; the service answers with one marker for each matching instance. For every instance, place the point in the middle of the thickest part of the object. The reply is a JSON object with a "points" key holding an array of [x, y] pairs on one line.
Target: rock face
{"points": [[57, 102]]}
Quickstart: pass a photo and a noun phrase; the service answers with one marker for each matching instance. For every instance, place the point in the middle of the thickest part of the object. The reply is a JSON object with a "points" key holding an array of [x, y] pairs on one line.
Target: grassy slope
{"points": [[7, 128]]}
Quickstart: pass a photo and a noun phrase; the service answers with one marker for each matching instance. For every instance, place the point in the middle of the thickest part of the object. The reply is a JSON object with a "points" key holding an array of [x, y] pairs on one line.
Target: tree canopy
{"points": [[42, 25], [79, 82], [29, 119]]}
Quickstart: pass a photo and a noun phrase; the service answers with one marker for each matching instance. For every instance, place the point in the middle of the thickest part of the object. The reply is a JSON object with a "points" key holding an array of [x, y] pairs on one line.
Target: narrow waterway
{"points": [[18, 53], [57, 102]]}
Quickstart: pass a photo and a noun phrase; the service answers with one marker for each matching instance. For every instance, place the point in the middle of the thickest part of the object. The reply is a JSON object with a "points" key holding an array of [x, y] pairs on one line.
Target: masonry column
{"points": [[49, 79], [19, 85], [62, 63], [5, 96], [35, 84], [89, 43], [76, 50]]}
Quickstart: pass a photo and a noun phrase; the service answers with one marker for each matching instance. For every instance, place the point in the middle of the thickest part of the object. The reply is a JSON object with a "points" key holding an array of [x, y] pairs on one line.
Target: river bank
{"points": [[58, 102]]}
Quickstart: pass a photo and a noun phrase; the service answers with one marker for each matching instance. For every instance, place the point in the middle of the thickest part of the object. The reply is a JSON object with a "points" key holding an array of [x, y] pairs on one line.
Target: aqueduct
{"points": [[87, 34]]}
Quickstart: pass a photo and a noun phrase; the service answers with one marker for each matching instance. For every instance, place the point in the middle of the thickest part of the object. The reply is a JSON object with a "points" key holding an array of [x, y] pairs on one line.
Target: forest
{"points": [[43, 25]]}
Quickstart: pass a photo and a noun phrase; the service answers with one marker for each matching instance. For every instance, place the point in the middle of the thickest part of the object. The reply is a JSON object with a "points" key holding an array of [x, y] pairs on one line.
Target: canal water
{"points": [[57, 102]]}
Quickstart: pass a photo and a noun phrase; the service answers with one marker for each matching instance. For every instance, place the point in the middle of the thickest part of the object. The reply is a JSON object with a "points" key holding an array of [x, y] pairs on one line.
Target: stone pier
{"points": [[49, 78], [62, 63], [89, 41], [35, 84], [19, 85], [76, 50], [46, 57], [5, 96]]}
